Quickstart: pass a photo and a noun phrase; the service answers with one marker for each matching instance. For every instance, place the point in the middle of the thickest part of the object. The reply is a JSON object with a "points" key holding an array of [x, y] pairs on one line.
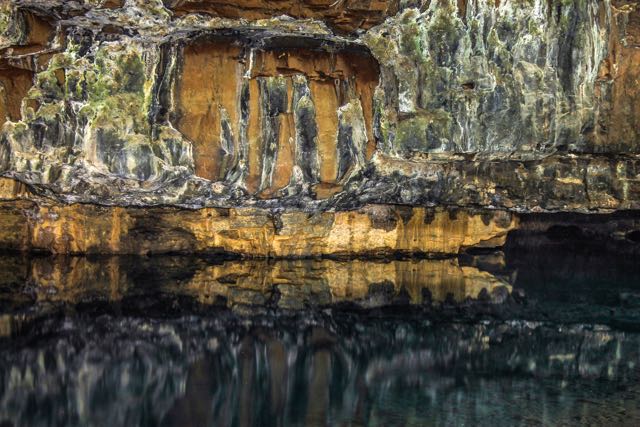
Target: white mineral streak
{"points": [[350, 115], [247, 74]]}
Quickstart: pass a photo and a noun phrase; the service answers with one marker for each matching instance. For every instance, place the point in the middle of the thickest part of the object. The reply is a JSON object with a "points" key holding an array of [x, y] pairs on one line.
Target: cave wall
{"points": [[315, 106], [528, 78], [271, 120]]}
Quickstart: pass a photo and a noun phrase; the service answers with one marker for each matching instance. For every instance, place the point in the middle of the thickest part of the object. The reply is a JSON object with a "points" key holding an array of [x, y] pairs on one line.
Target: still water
{"points": [[536, 334]]}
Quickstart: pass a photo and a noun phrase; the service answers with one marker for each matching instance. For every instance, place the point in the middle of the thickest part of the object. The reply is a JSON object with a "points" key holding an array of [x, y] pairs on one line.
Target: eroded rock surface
{"points": [[374, 229], [318, 109]]}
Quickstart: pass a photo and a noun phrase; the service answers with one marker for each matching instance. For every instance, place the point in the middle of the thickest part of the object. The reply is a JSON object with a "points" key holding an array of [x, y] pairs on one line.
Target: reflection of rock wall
{"points": [[220, 371], [299, 283], [290, 284]]}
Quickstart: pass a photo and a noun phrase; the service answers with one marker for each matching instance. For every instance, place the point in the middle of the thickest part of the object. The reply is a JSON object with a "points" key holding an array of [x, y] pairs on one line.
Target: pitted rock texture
{"points": [[526, 106]]}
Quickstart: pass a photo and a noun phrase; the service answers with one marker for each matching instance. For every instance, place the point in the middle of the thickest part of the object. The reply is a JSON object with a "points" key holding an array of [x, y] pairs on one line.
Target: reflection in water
{"points": [[317, 370], [288, 284], [191, 341]]}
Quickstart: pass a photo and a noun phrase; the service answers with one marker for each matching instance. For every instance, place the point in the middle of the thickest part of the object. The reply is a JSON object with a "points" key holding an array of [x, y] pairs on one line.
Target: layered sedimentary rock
{"points": [[510, 105], [375, 230]]}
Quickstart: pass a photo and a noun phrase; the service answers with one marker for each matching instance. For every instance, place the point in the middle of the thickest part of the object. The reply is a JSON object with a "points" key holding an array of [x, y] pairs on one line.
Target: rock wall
{"points": [[522, 106], [374, 230]]}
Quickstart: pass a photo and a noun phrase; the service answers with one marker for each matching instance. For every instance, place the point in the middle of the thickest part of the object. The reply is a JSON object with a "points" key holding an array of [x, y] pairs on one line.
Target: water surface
{"points": [[536, 334]]}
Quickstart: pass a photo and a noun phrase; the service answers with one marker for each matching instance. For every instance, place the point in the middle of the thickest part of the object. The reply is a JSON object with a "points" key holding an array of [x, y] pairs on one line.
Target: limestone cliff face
{"points": [[375, 230], [320, 106]]}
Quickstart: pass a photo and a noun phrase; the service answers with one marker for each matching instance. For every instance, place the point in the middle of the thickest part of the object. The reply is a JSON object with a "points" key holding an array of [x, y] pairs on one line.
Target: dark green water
{"points": [[554, 339]]}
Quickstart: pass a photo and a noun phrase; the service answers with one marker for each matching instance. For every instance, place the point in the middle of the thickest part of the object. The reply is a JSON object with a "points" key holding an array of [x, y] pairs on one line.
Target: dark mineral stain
{"points": [[384, 218]]}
